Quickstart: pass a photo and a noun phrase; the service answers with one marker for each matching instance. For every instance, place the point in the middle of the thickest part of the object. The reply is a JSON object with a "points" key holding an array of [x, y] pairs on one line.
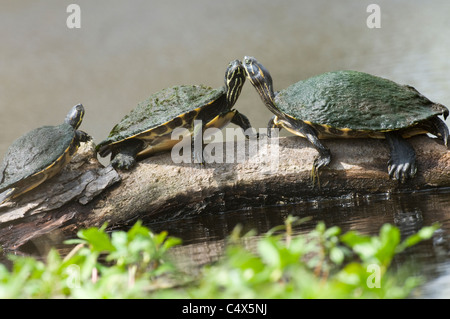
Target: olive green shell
{"points": [[162, 107], [35, 152], [356, 101]]}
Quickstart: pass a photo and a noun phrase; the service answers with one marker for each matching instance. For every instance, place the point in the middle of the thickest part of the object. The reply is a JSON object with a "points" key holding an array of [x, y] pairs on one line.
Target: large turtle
{"points": [[148, 128], [40, 154], [346, 104]]}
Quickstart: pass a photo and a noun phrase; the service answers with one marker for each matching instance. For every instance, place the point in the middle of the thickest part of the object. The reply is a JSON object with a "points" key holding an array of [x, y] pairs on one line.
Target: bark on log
{"points": [[87, 194]]}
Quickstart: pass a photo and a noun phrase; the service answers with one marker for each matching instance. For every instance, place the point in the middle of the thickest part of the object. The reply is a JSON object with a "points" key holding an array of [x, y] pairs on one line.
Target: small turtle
{"points": [[351, 104], [148, 128], [40, 154]]}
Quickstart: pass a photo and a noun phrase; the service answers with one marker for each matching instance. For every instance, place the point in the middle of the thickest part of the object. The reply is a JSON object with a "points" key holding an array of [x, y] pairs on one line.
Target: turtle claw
{"points": [[83, 136], [254, 135], [314, 176], [402, 164], [401, 171], [123, 161], [198, 158], [321, 161]]}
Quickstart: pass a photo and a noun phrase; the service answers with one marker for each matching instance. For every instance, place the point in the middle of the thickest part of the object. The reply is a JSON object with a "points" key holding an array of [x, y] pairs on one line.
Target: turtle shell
{"points": [[356, 101], [36, 152], [161, 108]]}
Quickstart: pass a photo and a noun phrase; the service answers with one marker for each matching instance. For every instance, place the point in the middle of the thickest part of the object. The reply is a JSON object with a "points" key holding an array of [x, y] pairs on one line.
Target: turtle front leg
{"points": [[273, 123], [324, 157], [242, 121], [198, 144], [402, 164], [304, 130], [125, 157], [82, 136]]}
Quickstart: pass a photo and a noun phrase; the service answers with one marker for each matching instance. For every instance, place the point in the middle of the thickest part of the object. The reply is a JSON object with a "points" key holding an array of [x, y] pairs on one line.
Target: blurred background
{"points": [[127, 50]]}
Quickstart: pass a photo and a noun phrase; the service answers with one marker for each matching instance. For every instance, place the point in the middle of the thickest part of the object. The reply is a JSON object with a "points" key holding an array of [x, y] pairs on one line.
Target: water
{"points": [[204, 237], [124, 51]]}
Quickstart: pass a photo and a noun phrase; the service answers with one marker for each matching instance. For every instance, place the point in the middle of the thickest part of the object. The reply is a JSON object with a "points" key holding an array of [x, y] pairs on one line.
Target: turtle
{"points": [[147, 129], [351, 104], [40, 154]]}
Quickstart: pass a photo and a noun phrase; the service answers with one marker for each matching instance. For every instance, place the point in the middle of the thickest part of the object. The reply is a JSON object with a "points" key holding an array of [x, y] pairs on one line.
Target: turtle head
{"points": [[75, 116], [260, 78], [234, 81]]}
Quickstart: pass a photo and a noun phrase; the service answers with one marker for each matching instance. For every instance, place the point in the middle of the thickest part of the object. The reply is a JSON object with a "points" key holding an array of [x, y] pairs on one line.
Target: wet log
{"points": [[272, 172]]}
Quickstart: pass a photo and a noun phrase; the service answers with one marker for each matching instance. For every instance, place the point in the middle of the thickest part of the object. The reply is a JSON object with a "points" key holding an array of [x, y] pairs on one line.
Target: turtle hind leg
{"points": [[6, 195], [24, 186], [125, 157], [402, 164]]}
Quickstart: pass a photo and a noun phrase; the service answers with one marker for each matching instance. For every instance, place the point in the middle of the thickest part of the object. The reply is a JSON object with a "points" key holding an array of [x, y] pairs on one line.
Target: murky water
{"points": [[204, 237], [124, 51]]}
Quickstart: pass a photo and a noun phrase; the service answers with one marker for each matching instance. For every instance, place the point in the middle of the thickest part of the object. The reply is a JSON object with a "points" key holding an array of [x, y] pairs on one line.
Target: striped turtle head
{"points": [[259, 77], [75, 116], [234, 81]]}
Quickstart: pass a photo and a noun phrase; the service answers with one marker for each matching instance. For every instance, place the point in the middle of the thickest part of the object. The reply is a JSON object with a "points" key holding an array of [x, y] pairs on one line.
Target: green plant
{"points": [[120, 265], [135, 264], [313, 266]]}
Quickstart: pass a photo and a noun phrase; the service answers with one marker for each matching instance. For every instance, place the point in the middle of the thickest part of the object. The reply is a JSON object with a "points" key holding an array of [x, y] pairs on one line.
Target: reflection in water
{"points": [[365, 214], [204, 236]]}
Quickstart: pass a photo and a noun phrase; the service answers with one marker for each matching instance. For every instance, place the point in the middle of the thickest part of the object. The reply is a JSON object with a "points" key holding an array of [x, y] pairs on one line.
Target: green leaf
{"points": [[423, 234], [332, 231], [97, 239], [138, 230], [171, 242], [351, 274], [320, 227], [389, 235], [269, 252], [365, 246], [159, 238], [353, 238], [337, 255], [74, 241], [389, 240]]}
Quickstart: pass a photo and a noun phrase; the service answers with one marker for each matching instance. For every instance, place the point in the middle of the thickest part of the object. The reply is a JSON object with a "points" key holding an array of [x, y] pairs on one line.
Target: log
{"points": [[272, 172]]}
